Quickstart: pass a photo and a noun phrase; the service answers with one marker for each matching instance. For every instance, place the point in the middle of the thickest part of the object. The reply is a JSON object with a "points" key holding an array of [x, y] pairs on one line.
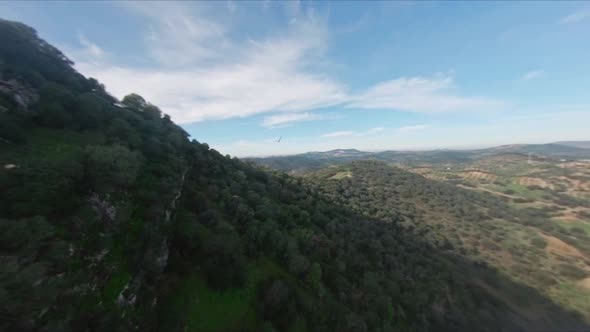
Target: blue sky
{"points": [[325, 75]]}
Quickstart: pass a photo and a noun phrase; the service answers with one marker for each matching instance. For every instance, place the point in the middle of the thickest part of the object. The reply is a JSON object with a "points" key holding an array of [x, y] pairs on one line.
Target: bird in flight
{"points": [[279, 139]]}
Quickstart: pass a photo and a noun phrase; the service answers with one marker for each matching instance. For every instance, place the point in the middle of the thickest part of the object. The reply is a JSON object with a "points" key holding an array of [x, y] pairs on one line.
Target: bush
{"points": [[488, 244], [112, 166], [539, 242], [10, 130], [544, 278], [522, 200], [577, 231], [223, 261], [571, 271]]}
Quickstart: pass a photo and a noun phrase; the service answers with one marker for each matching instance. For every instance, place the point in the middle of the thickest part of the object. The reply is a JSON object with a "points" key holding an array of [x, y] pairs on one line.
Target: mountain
{"points": [[575, 144], [338, 153], [112, 219], [310, 161], [551, 150]]}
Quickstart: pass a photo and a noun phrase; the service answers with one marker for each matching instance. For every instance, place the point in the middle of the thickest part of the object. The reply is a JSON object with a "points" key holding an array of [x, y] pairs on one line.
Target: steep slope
{"points": [[112, 220]]}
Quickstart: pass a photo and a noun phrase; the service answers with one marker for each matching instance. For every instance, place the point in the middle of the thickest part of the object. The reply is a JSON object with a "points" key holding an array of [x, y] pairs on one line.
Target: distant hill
{"points": [[551, 150], [576, 144], [308, 161]]}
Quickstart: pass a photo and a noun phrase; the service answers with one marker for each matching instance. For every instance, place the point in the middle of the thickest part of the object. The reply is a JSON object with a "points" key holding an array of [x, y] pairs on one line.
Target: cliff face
{"points": [[112, 220]]}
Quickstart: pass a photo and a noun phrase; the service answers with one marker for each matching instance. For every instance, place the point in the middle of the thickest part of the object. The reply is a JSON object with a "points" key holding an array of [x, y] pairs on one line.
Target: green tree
{"points": [[134, 102], [108, 167]]}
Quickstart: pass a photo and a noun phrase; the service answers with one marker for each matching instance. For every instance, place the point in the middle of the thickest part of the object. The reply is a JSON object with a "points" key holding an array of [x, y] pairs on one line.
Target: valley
{"points": [[538, 208]]}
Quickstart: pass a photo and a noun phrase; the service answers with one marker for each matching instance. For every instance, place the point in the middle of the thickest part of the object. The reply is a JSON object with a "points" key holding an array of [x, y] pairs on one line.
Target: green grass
{"points": [[523, 191], [571, 224], [114, 286], [298, 326], [204, 309], [118, 279], [193, 305], [517, 190], [342, 175], [574, 296]]}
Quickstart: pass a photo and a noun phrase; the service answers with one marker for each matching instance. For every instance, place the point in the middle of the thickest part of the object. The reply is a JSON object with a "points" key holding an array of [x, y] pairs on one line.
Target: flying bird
{"points": [[279, 139]]}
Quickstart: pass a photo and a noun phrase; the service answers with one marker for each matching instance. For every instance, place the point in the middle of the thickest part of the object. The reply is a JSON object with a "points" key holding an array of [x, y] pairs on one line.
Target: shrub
{"points": [[571, 271], [112, 165], [539, 242]]}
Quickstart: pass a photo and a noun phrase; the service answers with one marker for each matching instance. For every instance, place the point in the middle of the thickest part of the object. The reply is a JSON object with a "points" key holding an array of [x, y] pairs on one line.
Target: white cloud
{"points": [[349, 133], [533, 74], [283, 119], [178, 34], [231, 6], [413, 128], [576, 17], [269, 75], [419, 94], [220, 92], [89, 48], [292, 9], [375, 130], [556, 125], [207, 73], [339, 134]]}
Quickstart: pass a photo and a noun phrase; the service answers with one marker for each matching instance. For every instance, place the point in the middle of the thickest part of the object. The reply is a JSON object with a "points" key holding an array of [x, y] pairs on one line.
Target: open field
{"points": [[560, 188]]}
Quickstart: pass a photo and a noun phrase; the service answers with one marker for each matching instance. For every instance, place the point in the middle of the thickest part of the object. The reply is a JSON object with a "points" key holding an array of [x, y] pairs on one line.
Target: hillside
{"points": [[111, 219], [514, 235]]}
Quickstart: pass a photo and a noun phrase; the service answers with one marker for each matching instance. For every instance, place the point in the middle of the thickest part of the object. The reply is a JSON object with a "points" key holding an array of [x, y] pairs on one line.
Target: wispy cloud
{"points": [[375, 130], [90, 48], [543, 129], [349, 133], [179, 35], [260, 76], [413, 128], [206, 72], [284, 119], [575, 17], [231, 5], [419, 94], [339, 134], [533, 74]]}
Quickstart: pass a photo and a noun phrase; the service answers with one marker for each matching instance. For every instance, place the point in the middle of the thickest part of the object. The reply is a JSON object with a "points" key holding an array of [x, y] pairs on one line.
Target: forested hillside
{"points": [[111, 219], [521, 241]]}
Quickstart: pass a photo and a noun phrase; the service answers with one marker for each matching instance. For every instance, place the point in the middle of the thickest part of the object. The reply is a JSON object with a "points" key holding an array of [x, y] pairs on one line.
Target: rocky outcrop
{"points": [[155, 259], [21, 95], [103, 208]]}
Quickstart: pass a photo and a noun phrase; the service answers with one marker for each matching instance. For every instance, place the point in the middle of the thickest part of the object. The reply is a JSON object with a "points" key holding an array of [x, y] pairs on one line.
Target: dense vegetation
{"points": [[524, 243], [112, 219]]}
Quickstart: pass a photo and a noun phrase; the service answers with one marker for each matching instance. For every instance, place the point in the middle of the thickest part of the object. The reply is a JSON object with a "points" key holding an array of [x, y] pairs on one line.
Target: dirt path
{"points": [[585, 283]]}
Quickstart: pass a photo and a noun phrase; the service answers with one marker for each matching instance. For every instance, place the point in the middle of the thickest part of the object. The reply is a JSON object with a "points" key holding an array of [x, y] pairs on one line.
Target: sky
{"points": [[325, 75]]}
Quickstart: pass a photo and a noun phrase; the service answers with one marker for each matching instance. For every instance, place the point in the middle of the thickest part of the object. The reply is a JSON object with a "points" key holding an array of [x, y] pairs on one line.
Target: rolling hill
{"points": [[300, 163], [576, 144]]}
